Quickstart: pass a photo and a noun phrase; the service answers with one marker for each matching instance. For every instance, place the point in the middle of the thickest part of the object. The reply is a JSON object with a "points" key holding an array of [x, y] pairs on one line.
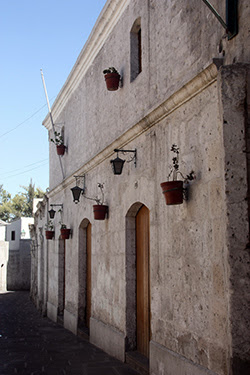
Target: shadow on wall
{"points": [[19, 267]]}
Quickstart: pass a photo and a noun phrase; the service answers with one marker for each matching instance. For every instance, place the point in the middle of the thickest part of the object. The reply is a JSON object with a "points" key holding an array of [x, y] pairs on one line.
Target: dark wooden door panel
{"points": [[88, 275], [142, 274]]}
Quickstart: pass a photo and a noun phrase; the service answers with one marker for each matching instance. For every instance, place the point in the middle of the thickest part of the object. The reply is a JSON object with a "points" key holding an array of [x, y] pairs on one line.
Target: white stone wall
{"points": [[15, 226], [4, 255], [25, 232], [21, 228], [178, 41], [39, 257], [182, 96], [185, 254], [2, 232], [18, 268]]}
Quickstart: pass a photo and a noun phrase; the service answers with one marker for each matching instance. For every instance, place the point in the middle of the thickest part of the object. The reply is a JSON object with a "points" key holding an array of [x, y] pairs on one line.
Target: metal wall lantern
{"points": [[231, 24], [117, 163], [52, 212], [77, 190]]}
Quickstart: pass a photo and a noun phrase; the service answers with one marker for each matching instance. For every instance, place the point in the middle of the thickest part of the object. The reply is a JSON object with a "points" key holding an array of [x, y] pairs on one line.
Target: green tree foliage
{"points": [[5, 204], [21, 204]]}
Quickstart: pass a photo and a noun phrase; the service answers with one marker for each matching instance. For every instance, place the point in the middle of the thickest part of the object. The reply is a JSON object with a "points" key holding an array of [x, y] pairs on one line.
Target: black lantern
{"points": [[76, 191], [117, 165], [52, 213], [231, 24]]}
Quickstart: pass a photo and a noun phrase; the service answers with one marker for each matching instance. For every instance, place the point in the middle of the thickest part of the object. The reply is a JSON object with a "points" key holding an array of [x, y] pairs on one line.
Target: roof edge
{"points": [[105, 23]]}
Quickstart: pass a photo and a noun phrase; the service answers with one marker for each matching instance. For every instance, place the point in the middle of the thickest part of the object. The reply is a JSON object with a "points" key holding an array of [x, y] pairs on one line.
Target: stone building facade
{"points": [[183, 301]]}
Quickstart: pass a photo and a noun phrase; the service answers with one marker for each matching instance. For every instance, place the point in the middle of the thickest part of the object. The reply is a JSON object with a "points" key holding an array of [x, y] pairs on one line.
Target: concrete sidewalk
{"points": [[33, 345]]}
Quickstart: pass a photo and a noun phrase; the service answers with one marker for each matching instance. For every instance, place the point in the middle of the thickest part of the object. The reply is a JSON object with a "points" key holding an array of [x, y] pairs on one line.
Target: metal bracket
{"points": [[231, 24], [83, 182], [56, 205], [124, 151], [97, 200]]}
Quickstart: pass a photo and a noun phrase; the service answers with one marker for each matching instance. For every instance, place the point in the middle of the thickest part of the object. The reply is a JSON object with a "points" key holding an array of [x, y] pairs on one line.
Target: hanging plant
{"points": [[174, 190], [65, 232], [49, 232], [112, 78], [100, 210], [59, 142]]}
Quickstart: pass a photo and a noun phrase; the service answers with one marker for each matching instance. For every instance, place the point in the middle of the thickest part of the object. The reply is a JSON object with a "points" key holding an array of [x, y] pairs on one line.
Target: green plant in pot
{"points": [[49, 230], [65, 232], [112, 78], [174, 190], [59, 142], [100, 210]]}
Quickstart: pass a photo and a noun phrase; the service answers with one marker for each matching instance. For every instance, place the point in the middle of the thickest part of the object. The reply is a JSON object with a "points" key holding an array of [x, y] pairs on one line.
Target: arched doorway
{"points": [[137, 279], [84, 272]]}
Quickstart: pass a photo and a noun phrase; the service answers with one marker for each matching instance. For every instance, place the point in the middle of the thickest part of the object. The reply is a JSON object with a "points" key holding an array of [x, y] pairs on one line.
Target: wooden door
{"points": [[142, 281], [64, 276], [88, 274], [61, 277]]}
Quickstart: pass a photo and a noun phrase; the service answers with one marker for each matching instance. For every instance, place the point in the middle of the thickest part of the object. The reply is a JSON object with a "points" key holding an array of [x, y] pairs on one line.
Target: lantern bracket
{"points": [[231, 24], [56, 205], [134, 158], [78, 179], [97, 200]]}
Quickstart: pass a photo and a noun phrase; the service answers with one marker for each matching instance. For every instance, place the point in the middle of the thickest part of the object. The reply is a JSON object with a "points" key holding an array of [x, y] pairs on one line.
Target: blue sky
{"points": [[35, 35]]}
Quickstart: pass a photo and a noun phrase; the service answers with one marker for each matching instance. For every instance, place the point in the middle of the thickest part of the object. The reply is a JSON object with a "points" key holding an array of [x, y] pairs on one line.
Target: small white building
{"points": [[4, 255], [3, 226], [18, 230], [18, 269]]}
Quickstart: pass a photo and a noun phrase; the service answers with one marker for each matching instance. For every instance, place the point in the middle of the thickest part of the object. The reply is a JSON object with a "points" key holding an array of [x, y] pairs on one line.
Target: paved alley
{"points": [[33, 345]]}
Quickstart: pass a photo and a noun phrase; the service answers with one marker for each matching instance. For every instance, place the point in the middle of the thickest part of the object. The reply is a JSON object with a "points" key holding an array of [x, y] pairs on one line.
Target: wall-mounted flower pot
{"points": [[49, 234], [173, 192], [112, 81], [60, 149], [100, 211], [65, 233]]}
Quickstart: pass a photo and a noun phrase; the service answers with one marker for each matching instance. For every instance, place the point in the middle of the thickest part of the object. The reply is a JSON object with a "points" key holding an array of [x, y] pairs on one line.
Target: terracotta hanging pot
{"points": [[173, 192], [100, 211], [65, 233], [112, 81], [60, 149], [49, 234]]}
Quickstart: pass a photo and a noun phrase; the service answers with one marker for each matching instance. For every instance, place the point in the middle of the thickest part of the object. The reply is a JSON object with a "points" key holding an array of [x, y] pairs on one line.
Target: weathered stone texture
{"points": [[198, 253], [234, 111], [18, 270], [178, 42]]}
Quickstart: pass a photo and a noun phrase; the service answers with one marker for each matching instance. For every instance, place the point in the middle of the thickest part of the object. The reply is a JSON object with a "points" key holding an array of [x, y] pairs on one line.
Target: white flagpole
{"points": [[53, 127], [47, 98]]}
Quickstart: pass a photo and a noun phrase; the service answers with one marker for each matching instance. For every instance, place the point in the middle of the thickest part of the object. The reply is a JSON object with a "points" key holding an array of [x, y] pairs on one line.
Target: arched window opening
{"points": [[135, 50]]}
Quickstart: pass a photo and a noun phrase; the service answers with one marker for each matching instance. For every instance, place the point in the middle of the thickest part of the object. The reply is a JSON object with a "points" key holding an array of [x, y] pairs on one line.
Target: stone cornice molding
{"points": [[105, 23], [157, 114]]}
